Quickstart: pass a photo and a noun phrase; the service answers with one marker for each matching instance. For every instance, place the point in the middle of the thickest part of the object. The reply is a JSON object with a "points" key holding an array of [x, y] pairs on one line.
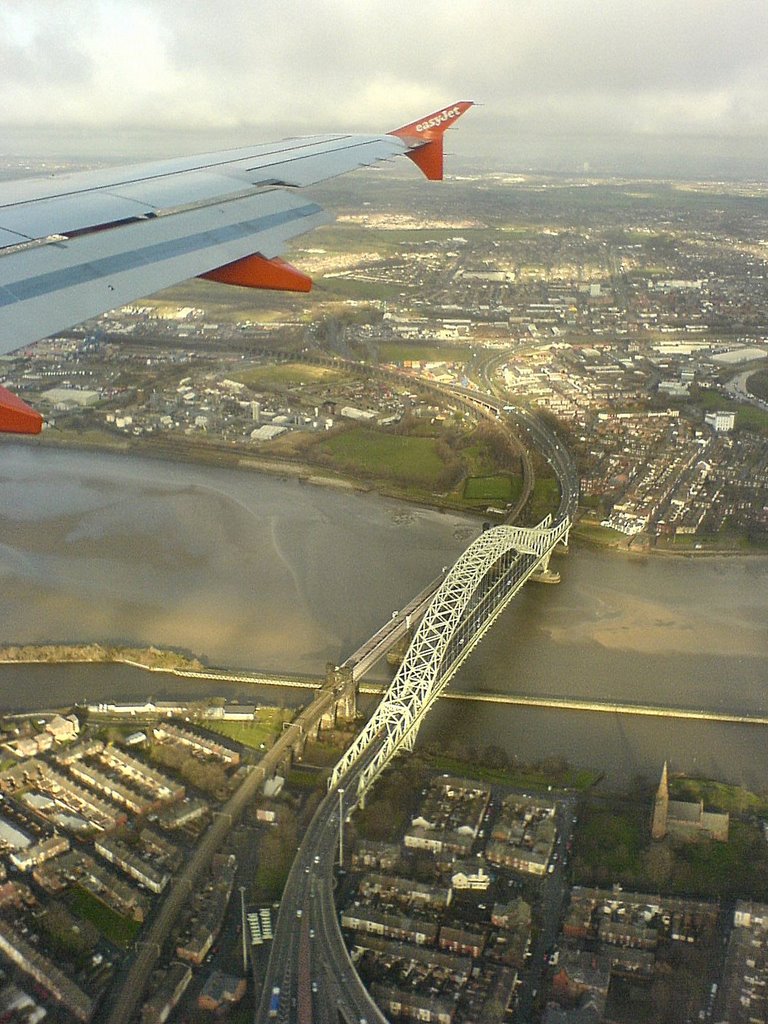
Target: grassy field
{"points": [[303, 780], [519, 776], [757, 384], [278, 376], [350, 238], [373, 455], [736, 868], [717, 796], [610, 841], [592, 533], [113, 926], [265, 729], [478, 458], [399, 352], [748, 417], [545, 497], [227, 304], [351, 288], [724, 540], [491, 488]]}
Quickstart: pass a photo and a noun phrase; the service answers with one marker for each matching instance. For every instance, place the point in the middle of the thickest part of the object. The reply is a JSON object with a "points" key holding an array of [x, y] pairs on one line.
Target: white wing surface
{"points": [[76, 245]]}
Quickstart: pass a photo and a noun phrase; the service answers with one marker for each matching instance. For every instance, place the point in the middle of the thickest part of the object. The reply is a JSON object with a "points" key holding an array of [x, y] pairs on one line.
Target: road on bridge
{"points": [[335, 990]]}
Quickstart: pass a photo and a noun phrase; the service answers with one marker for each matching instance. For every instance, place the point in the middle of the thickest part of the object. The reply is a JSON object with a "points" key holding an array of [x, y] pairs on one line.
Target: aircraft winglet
{"points": [[425, 137]]}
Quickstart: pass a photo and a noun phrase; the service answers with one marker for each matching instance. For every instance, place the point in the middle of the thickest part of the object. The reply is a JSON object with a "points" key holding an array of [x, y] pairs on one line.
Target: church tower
{"points": [[661, 806]]}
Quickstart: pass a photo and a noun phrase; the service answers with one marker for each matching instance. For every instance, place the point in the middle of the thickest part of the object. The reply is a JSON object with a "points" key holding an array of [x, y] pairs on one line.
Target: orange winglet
{"points": [[16, 417], [426, 138], [258, 272]]}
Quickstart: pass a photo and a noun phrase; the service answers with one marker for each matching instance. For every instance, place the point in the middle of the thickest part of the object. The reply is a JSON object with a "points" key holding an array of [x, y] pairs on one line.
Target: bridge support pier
{"points": [[345, 690]]}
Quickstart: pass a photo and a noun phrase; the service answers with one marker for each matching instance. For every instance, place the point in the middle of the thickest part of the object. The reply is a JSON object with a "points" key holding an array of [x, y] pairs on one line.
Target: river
{"points": [[254, 571]]}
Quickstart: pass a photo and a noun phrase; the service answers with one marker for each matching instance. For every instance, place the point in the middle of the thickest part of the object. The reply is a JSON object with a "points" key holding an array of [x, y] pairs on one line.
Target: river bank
{"points": [[592, 535], [195, 454], [222, 457], [588, 533], [153, 658]]}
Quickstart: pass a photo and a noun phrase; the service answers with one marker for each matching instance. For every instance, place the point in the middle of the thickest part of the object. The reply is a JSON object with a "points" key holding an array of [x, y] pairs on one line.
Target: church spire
{"points": [[661, 806]]}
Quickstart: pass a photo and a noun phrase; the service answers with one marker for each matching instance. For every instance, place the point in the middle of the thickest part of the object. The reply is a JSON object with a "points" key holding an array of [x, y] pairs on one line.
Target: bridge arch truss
{"points": [[473, 594]]}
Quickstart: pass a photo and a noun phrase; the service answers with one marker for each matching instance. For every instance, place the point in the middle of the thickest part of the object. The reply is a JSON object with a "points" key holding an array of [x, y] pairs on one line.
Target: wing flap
{"points": [[171, 185], [35, 221]]}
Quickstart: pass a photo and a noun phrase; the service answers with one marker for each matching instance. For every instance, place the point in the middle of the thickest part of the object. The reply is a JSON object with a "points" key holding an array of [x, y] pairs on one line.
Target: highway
{"points": [[308, 903]]}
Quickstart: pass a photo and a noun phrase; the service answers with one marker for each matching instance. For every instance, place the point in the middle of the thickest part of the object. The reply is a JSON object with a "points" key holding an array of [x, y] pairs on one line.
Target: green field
{"points": [[351, 288], [265, 729], [491, 488], [610, 841], [593, 533], [370, 454], [748, 417], [724, 540], [560, 776], [545, 497], [719, 797], [278, 376], [757, 384], [359, 238], [119, 930], [401, 351], [222, 301], [726, 870], [302, 779]]}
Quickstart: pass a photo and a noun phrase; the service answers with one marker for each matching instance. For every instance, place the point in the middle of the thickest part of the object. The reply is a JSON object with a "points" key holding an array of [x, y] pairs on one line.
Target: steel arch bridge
{"points": [[469, 600]]}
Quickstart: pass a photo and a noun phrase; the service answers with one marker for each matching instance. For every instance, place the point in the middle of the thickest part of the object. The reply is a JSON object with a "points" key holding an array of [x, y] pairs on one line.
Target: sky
{"points": [[628, 86]]}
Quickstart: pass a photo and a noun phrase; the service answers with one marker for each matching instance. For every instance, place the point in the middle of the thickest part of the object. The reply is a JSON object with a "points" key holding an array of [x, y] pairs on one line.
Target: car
{"points": [[314, 986], [299, 912]]}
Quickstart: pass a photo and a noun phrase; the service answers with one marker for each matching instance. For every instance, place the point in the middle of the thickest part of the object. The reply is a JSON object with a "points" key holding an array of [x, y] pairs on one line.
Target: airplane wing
{"points": [[76, 245]]}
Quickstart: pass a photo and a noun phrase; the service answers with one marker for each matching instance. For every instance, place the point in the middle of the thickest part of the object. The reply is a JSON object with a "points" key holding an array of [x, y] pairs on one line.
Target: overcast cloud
{"points": [[562, 81]]}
